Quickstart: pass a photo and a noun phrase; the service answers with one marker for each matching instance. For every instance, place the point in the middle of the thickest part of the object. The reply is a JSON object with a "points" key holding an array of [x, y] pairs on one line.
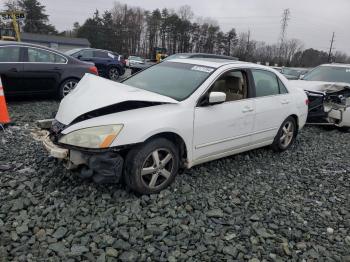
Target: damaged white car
{"points": [[173, 116], [328, 90]]}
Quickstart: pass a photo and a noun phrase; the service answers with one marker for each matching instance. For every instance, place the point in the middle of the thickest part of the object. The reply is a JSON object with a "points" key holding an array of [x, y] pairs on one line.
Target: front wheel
{"points": [[66, 87], [286, 135], [152, 166]]}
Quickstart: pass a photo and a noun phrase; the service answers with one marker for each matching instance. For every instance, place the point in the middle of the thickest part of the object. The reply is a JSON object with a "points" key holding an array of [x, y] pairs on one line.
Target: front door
{"points": [[225, 127]]}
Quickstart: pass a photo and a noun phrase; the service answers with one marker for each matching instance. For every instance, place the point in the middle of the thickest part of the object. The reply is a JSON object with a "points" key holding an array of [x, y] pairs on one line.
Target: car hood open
{"points": [[93, 93], [319, 86]]}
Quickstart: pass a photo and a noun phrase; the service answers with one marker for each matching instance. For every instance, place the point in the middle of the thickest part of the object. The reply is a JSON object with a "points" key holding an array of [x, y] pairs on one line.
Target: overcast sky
{"points": [[311, 21]]}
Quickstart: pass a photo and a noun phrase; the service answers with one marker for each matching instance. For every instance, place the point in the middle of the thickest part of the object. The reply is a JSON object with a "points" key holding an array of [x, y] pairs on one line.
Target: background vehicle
{"points": [[134, 60], [293, 73], [32, 69], [328, 89], [138, 67], [109, 64], [155, 122]]}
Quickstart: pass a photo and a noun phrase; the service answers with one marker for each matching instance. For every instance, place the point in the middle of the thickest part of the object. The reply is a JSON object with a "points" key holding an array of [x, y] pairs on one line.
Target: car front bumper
{"points": [[54, 150], [103, 167]]}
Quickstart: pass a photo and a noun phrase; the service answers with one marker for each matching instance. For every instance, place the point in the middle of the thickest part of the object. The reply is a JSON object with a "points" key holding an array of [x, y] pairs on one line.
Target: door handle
{"points": [[284, 102], [56, 68], [14, 69], [247, 109]]}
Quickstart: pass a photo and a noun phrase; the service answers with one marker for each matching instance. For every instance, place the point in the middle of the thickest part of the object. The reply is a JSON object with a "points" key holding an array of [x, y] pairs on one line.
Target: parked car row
{"points": [[28, 69], [32, 69]]}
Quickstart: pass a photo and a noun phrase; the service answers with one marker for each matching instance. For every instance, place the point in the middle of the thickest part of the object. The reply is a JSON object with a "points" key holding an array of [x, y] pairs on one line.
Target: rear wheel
{"points": [[67, 86], [113, 73], [344, 129], [152, 166], [285, 136]]}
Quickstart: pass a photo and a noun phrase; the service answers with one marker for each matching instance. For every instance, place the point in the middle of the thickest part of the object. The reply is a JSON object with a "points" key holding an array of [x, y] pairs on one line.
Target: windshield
{"points": [[329, 74], [292, 72], [175, 80]]}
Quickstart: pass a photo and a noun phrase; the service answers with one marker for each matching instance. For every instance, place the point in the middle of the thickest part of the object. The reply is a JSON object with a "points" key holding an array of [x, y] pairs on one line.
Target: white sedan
{"points": [[172, 116]]}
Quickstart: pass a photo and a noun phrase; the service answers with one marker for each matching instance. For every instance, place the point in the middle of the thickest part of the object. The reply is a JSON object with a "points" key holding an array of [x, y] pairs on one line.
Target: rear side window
{"points": [[101, 54], [266, 83], [86, 54], [10, 54], [42, 56]]}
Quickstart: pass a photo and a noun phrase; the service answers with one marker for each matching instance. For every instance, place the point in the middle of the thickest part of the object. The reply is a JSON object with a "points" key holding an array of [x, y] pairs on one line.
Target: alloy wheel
{"points": [[69, 86], [113, 74], [157, 168], [287, 134]]}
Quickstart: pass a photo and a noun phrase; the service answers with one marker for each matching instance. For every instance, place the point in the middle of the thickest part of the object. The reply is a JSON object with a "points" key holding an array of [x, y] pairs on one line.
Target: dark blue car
{"points": [[109, 64]]}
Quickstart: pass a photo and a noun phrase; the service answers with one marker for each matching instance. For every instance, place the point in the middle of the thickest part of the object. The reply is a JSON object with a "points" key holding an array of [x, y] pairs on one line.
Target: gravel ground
{"points": [[257, 206]]}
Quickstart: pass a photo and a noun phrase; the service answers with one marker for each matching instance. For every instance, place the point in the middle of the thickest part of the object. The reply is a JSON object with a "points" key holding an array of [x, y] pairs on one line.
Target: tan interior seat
{"points": [[232, 85]]}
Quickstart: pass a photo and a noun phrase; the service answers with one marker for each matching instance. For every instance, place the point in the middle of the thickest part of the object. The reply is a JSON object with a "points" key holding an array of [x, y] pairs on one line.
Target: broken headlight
{"points": [[92, 137]]}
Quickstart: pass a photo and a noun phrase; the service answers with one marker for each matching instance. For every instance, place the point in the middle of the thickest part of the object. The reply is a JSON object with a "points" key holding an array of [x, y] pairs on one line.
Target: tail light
{"points": [[93, 70], [307, 102]]}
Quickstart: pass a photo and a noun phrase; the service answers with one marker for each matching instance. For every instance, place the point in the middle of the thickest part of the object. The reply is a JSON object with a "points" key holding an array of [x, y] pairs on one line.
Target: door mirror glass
{"points": [[217, 98]]}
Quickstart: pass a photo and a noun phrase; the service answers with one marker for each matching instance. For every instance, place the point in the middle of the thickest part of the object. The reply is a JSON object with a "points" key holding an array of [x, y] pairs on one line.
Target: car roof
{"points": [[216, 63], [337, 65], [3, 43]]}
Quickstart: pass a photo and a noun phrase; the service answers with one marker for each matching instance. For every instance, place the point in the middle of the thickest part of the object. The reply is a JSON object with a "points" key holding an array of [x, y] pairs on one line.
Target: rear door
{"points": [[11, 68], [42, 70], [272, 102]]}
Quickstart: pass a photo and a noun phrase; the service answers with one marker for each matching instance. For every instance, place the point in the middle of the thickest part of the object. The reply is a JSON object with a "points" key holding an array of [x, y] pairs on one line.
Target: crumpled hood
{"points": [[319, 86], [95, 92]]}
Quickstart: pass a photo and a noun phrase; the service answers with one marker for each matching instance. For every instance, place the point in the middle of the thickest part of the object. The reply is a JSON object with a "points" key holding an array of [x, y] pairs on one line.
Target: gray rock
{"points": [[22, 229], [128, 256], [230, 250], [77, 250], [216, 213], [60, 233], [59, 248], [111, 252]]}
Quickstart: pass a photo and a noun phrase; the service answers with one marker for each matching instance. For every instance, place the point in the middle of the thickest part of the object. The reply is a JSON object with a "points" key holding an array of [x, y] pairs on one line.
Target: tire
{"points": [[113, 73], [344, 129], [288, 131], [67, 86], [157, 175]]}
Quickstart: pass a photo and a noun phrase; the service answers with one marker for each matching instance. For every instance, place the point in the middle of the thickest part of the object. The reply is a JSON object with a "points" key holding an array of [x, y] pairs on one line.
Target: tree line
{"points": [[136, 31]]}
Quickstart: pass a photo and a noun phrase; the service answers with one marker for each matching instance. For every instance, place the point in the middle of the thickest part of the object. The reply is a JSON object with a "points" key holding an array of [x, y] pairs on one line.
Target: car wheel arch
{"points": [[178, 141], [296, 118]]}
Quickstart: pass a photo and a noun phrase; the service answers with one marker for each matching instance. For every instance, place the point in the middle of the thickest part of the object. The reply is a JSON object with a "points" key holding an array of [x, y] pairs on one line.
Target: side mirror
{"points": [[301, 77], [217, 98], [79, 57]]}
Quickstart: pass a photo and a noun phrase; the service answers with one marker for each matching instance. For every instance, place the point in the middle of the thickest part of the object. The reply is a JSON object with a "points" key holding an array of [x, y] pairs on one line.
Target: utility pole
{"points": [[284, 25], [247, 47], [330, 49]]}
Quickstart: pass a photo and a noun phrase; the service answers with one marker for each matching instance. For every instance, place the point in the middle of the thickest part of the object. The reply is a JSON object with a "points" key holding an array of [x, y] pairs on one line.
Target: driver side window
{"points": [[233, 84]]}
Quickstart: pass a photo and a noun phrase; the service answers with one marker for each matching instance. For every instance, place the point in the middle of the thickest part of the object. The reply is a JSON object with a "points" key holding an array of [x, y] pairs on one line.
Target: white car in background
{"points": [[132, 60], [328, 89], [174, 115]]}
